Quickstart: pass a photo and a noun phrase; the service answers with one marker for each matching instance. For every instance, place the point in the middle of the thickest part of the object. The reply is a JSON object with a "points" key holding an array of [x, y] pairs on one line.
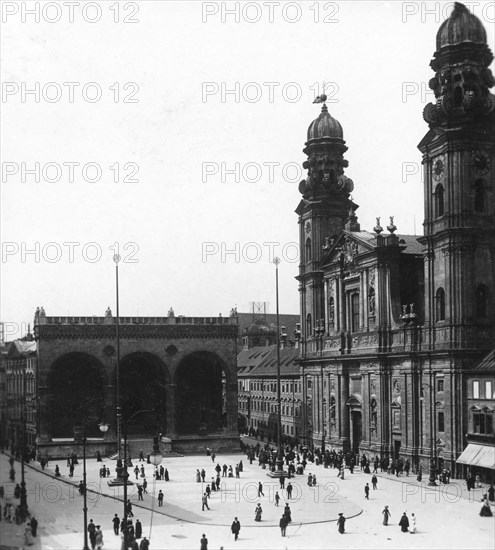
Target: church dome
{"points": [[325, 126], [461, 26]]}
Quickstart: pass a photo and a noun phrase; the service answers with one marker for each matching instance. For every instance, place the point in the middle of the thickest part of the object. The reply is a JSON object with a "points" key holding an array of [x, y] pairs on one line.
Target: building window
{"points": [[479, 196], [483, 423], [440, 304], [309, 383], [488, 390], [309, 328], [439, 200], [476, 389], [481, 299], [440, 385], [441, 421], [308, 249], [355, 312]]}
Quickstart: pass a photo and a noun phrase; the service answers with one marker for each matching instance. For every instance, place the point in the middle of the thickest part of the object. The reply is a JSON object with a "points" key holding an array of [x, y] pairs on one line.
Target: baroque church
{"points": [[391, 324]]}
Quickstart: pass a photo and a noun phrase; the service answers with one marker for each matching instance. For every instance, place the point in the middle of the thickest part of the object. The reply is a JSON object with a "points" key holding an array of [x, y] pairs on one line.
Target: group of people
{"points": [[30, 531]]}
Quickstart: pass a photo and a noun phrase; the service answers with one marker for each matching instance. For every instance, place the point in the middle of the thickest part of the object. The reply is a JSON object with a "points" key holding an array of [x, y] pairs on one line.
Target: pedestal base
{"points": [[277, 474], [118, 482]]}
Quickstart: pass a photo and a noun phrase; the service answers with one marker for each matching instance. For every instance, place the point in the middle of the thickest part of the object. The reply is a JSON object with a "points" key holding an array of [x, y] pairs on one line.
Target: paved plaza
{"points": [[447, 516]]}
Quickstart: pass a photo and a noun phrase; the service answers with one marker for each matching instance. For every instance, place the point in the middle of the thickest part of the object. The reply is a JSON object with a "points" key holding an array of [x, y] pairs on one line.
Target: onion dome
{"points": [[461, 26], [325, 126]]}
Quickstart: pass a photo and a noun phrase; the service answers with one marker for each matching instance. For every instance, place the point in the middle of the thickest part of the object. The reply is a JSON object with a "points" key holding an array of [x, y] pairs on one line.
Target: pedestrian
{"points": [[99, 538], [491, 492], [367, 491], [129, 508], [289, 490], [235, 528], [28, 535], [116, 524], [140, 492], [98, 456], [287, 512], [203, 475], [138, 529], [341, 523], [386, 514], [57, 471], [224, 470], [198, 476], [277, 498], [71, 470], [92, 533], [34, 526], [257, 512], [204, 543], [260, 489], [283, 525], [141, 455], [420, 474], [282, 481], [160, 498], [145, 544], [404, 523], [142, 471], [136, 471], [166, 475], [204, 501], [413, 524], [374, 481], [145, 484]]}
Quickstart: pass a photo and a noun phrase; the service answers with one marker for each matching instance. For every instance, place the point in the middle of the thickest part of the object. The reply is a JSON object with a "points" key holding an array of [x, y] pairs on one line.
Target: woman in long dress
{"points": [[386, 514], [413, 524], [28, 535], [257, 512]]}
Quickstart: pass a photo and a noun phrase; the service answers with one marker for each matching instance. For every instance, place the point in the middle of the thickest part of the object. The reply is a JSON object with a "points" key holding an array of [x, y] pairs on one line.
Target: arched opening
{"points": [[479, 196], [481, 300], [76, 381], [439, 200], [308, 249], [143, 379], [440, 304], [200, 394]]}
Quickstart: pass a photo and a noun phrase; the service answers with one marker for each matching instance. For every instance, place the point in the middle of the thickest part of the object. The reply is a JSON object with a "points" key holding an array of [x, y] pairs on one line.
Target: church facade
{"points": [[392, 323]]}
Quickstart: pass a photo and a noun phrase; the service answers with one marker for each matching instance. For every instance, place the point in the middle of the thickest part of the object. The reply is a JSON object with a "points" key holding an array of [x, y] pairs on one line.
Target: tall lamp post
{"points": [[116, 259], [103, 428], [432, 478], [280, 461]]}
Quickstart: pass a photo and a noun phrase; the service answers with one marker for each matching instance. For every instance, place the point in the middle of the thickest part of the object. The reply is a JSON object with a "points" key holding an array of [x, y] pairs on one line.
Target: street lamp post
{"points": [[103, 428], [116, 259], [280, 461], [23, 501]]}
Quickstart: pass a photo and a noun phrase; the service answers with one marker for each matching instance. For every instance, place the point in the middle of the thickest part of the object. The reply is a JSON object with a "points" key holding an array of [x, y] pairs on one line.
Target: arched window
{"points": [[439, 200], [481, 300], [440, 305], [309, 327], [479, 196], [308, 249]]}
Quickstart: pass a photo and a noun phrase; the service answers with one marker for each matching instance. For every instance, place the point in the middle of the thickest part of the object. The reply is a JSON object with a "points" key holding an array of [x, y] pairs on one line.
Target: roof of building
{"points": [[268, 321], [461, 26], [487, 363], [413, 246], [22, 348], [325, 126], [262, 361]]}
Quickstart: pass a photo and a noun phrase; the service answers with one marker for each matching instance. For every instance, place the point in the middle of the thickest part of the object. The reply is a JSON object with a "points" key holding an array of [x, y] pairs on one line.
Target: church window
{"points": [[308, 249], [439, 200], [481, 299], [355, 312], [441, 421], [440, 305], [479, 196]]}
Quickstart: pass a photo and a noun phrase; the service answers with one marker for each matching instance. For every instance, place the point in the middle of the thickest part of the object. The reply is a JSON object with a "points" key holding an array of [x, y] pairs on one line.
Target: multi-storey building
{"points": [[391, 323], [20, 366], [258, 392]]}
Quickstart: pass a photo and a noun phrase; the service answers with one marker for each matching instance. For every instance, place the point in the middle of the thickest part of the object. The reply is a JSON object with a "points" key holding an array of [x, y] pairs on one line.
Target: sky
{"points": [[172, 132]]}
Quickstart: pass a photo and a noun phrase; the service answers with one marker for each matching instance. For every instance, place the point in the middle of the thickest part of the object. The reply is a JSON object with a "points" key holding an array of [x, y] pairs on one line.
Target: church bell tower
{"points": [[459, 175]]}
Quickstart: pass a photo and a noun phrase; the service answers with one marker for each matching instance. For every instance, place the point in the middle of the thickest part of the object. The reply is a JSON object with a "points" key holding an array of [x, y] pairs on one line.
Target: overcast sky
{"points": [[148, 149]]}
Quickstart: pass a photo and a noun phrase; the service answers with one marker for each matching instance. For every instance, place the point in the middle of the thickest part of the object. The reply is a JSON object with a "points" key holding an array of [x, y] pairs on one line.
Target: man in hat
{"points": [[341, 523]]}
